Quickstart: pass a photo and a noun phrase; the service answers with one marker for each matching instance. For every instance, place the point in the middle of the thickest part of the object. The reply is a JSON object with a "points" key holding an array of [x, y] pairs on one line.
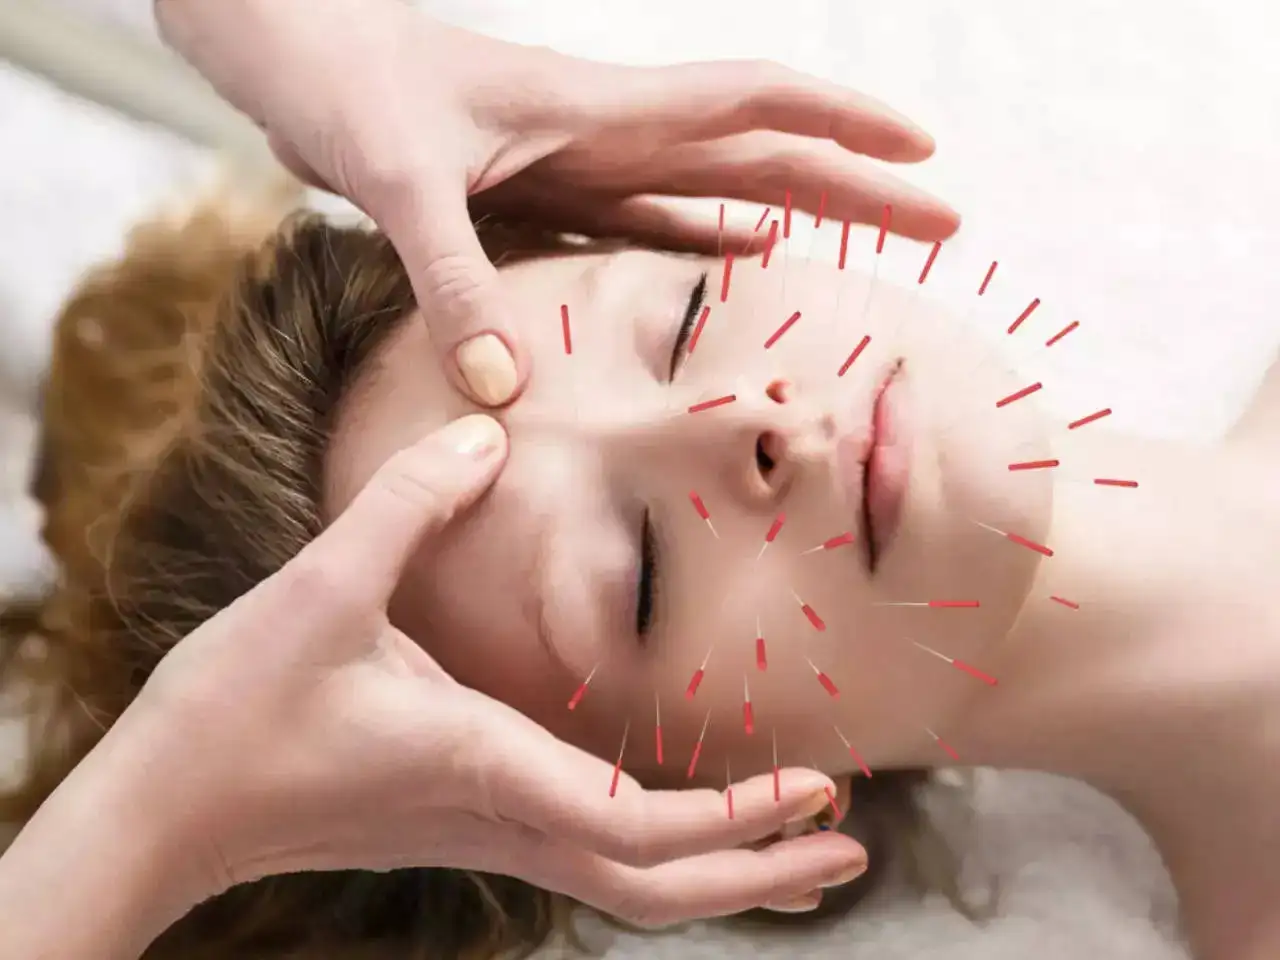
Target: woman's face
{"points": [[590, 560]]}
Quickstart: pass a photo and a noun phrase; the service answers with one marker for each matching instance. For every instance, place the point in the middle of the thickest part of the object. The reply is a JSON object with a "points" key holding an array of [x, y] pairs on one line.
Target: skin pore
{"points": [[1159, 689]]}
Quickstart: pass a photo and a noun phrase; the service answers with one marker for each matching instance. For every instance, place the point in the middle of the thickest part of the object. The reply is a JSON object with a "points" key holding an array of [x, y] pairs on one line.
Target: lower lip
{"points": [[888, 469]]}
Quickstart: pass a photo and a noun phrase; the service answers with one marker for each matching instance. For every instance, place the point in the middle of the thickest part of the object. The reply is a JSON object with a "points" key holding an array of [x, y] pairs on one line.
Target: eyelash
{"points": [[696, 300], [647, 589]]}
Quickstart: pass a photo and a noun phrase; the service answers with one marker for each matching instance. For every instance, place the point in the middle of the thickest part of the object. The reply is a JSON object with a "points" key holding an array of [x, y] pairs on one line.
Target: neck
{"points": [[1159, 664]]}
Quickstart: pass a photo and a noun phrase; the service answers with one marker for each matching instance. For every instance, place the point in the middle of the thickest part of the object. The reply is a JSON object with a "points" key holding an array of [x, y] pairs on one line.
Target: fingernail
{"points": [[847, 875], [813, 805], [804, 904], [476, 436], [488, 368]]}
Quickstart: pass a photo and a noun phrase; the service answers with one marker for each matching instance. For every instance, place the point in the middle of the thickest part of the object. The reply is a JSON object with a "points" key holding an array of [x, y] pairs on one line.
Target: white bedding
{"points": [[1117, 159]]}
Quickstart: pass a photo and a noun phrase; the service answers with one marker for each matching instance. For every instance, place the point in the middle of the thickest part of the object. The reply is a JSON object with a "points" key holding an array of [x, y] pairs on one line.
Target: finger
{"points": [[654, 222], [763, 167], [581, 805], [411, 497], [715, 884], [425, 215], [700, 101]]}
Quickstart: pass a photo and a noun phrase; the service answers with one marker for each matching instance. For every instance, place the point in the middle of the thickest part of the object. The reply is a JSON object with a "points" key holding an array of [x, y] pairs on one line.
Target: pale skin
{"points": [[1160, 689]]}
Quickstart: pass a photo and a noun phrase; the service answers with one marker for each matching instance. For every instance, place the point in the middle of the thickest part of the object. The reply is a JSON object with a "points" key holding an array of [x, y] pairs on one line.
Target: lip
{"points": [[874, 466]]}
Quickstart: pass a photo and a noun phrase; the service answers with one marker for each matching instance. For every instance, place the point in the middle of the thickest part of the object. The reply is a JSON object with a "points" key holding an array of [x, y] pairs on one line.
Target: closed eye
{"points": [[646, 588], [696, 298]]}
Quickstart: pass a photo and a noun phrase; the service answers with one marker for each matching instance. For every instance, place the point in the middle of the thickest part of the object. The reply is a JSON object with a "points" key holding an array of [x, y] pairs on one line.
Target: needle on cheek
{"points": [[582, 689], [657, 726], [840, 540], [617, 767], [702, 512], [857, 758], [772, 534], [697, 748]]}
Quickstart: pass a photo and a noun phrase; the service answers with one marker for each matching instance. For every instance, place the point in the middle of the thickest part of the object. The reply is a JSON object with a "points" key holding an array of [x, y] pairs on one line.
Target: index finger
{"points": [[706, 101]]}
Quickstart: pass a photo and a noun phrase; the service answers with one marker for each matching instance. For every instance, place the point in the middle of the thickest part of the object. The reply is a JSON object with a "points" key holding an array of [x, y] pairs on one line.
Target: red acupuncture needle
{"points": [[763, 217], [960, 665], [986, 281], [1031, 307], [748, 716], [786, 325], [862, 764], [840, 540], [617, 767], [712, 404], [844, 243], [822, 208], [1034, 465], [657, 725], [773, 533], [582, 689], [810, 613], [928, 264], [697, 748], [823, 679], [1014, 538], [720, 234], [564, 328], [702, 512], [786, 215], [762, 662], [886, 217], [1069, 604], [1062, 333], [857, 352], [698, 674], [1104, 482], [728, 274], [769, 241], [1018, 395], [697, 330], [935, 604], [943, 744], [1077, 424]]}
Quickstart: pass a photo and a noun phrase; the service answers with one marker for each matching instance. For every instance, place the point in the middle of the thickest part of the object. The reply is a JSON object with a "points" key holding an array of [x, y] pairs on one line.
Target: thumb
{"points": [[411, 498], [429, 223]]}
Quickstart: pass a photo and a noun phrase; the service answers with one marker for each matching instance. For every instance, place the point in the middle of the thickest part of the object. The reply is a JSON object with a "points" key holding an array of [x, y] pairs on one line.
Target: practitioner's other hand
{"points": [[408, 117], [299, 730]]}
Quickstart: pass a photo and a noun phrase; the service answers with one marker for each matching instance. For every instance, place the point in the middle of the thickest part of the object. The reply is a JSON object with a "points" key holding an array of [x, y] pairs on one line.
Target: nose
{"points": [[778, 436]]}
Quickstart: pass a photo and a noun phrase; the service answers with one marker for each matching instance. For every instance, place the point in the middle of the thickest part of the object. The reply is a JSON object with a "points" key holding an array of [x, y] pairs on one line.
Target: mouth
{"points": [[875, 469]]}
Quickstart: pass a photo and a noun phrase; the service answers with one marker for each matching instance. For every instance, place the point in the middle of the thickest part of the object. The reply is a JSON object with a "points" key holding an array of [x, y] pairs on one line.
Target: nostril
{"points": [[779, 391], [769, 450]]}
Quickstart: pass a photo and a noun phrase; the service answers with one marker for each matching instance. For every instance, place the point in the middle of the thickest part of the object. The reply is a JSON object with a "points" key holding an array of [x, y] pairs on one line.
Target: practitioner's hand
{"points": [[298, 730], [408, 117]]}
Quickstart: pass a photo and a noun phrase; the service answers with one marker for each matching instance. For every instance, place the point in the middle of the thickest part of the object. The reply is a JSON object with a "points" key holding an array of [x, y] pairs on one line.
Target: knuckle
{"points": [[778, 171], [458, 285], [311, 580]]}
